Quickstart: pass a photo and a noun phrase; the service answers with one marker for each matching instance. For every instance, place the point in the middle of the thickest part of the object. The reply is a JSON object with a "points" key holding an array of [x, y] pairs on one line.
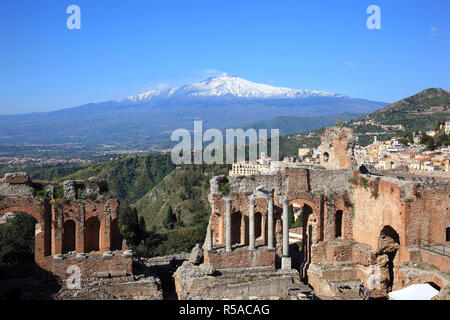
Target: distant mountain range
{"points": [[149, 118]]}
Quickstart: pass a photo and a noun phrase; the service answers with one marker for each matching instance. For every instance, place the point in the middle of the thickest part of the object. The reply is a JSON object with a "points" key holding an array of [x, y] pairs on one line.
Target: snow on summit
{"points": [[224, 85]]}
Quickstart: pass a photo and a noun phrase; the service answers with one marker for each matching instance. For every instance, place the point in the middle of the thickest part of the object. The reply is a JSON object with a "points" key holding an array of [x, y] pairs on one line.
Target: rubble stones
{"points": [[196, 255], [207, 269], [17, 178]]}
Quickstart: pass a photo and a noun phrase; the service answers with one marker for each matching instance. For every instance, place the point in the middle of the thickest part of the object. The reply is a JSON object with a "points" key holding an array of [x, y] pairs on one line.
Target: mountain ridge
{"points": [[147, 120]]}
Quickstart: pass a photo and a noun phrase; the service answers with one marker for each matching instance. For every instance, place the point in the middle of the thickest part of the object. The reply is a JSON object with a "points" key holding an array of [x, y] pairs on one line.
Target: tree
{"points": [[291, 215], [17, 240], [169, 218], [130, 228]]}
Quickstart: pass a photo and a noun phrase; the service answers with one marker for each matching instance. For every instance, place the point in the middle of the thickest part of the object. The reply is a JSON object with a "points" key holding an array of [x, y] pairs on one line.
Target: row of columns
{"points": [[286, 263]]}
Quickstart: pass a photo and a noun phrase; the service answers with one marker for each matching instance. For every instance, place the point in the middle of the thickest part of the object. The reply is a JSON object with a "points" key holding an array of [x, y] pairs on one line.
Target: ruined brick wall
{"points": [[239, 218], [429, 216], [372, 213], [330, 181], [336, 148], [80, 211], [39, 210], [57, 218], [242, 258], [95, 266], [414, 213]]}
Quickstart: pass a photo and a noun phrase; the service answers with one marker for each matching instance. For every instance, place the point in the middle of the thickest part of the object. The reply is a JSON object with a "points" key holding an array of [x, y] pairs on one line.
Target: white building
{"points": [[447, 127]]}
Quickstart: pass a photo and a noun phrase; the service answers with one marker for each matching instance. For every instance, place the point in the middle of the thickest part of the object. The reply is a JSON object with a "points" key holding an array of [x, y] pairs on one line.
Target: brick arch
{"points": [[303, 202], [28, 210], [42, 237]]}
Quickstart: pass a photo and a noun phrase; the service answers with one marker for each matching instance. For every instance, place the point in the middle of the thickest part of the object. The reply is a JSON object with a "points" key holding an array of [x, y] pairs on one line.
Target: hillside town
{"points": [[382, 155]]}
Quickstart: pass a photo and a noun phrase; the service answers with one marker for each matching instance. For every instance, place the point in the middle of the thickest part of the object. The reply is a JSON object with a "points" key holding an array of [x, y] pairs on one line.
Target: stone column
{"points": [[228, 224], [209, 245], [270, 232], [285, 260], [251, 220]]}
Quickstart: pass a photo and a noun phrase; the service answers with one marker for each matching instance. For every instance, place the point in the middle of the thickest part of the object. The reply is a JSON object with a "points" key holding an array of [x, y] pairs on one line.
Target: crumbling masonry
{"points": [[76, 229], [371, 228]]}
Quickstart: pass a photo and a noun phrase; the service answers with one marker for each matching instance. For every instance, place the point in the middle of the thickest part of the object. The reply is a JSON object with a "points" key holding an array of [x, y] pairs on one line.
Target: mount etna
{"points": [[149, 118]]}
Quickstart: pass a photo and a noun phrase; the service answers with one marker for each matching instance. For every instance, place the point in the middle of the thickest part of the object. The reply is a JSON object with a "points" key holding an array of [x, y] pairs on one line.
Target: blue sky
{"points": [[126, 47]]}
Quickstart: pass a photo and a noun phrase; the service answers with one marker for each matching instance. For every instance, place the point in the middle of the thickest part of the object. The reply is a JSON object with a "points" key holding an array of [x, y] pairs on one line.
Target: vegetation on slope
{"points": [[17, 240], [129, 177], [413, 113]]}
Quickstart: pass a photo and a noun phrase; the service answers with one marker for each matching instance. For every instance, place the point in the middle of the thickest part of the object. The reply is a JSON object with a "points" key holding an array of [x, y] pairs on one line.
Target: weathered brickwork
{"points": [[66, 227], [356, 227], [240, 257], [95, 266]]}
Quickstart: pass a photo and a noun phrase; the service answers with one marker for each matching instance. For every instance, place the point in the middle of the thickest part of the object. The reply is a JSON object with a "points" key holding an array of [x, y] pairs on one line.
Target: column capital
{"points": [[227, 199], [282, 199]]}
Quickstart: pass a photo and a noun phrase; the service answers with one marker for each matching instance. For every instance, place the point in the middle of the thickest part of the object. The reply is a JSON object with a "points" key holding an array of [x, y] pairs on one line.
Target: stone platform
{"points": [[204, 282]]}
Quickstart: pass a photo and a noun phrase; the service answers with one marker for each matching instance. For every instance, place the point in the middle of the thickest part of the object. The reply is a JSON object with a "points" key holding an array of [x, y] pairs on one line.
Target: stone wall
{"points": [[95, 266], [337, 148], [241, 257], [86, 200]]}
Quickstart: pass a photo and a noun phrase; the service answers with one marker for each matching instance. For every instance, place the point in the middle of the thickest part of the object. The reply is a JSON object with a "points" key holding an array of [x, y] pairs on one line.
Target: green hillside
{"points": [[411, 114], [293, 124], [129, 177], [185, 190]]}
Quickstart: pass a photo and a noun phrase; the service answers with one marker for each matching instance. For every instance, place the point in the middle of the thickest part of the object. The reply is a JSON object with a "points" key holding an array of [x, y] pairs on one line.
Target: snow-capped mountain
{"points": [[224, 85], [220, 102]]}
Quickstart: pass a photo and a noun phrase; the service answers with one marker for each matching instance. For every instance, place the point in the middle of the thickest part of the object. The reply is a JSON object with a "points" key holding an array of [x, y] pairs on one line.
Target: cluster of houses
{"points": [[384, 155], [390, 154], [4, 218]]}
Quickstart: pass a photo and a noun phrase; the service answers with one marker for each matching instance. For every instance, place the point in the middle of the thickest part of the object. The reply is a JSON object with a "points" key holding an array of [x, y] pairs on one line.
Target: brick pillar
{"points": [[228, 224], [79, 244], [57, 226], [251, 219], [106, 228], [270, 232]]}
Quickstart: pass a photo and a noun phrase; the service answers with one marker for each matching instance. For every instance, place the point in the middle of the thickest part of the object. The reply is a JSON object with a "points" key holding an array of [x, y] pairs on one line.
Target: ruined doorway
{"points": [[236, 224], [17, 245], [258, 225], [447, 235], [338, 224], [387, 253], [307, 216], [69, 236], [116, 237], [92, 242]]}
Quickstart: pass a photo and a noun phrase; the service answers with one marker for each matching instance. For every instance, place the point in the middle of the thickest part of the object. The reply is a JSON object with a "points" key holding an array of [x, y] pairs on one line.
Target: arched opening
{"points": [[116, 237], [447, 234], [69, 236], [307, 232], [326, 157], [388, 245], [92, 240], [338, 224], [258, 225], [17, 244], [236, 220], [363, 169]]}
